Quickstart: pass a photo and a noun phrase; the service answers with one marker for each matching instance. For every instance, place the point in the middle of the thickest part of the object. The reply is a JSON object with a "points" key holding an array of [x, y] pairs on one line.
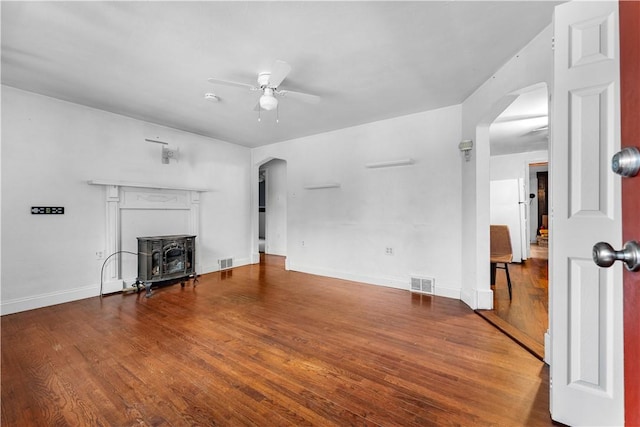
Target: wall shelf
{"points": [[320, 186], [390, 163]]}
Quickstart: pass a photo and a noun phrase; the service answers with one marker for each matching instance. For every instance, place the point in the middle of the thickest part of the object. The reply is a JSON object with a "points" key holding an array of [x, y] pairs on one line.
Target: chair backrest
{"points": [[500, 241]]}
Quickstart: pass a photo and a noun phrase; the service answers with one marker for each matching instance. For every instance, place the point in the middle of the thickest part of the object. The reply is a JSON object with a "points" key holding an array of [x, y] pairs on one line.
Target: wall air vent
{"points": [[225, 263], [423, 285]]}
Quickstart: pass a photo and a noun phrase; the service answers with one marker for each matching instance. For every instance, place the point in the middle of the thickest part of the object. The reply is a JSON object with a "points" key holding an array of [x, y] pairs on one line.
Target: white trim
{"points": [[44, 300], [469, 297], [484, 299], [255, 258], [122, 195], [108, 182], [477, 299], [214, 267], [390, 282], [113, 286]]}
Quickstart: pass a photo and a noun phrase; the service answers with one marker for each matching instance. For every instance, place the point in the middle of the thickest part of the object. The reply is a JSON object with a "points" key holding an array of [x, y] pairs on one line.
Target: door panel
{"points": [[585, 301]]}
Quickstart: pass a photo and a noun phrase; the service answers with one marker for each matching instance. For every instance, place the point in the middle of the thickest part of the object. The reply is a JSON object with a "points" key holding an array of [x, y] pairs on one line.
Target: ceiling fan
{"points": [[269, 85]]}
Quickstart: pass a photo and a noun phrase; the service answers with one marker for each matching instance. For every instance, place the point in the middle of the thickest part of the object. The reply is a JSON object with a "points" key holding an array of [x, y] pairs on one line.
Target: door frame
{"points": [[254, 204], [629, 21], [483, 176]]}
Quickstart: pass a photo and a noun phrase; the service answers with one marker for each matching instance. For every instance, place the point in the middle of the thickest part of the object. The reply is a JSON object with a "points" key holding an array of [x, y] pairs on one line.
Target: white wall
{"points": [[516, 166], [415, 210], [531, 66], [51, 148], [434, 215]]}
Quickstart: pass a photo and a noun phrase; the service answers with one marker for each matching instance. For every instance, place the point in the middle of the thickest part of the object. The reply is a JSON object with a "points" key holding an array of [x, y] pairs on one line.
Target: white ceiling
{"points": [[368, 60], [523, 125]]}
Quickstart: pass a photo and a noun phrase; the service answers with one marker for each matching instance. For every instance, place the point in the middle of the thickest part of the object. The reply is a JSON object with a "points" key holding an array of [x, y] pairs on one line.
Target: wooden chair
{"points": [[501, 252]]}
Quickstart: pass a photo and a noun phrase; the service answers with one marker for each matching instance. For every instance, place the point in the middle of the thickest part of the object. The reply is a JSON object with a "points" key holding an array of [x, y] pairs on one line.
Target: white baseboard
{"points": [[477, 299], [446, 291], [52, 298], [390, 282], [208, 268], [547, 348], [468, 296], [213, 267], [113, 286], [484, 299]]}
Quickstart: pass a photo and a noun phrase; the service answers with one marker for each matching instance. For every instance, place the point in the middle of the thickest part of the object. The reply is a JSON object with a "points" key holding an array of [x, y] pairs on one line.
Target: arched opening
{"points": [[515, 133], [270, 202]]}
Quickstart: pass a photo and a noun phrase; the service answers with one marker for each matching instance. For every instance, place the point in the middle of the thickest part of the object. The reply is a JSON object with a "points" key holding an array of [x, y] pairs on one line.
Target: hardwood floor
{"points": [[525, 317], [258, 345]]}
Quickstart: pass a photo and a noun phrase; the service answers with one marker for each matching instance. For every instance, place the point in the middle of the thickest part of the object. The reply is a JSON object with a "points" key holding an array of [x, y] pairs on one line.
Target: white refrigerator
{"points": [[509, 206]]}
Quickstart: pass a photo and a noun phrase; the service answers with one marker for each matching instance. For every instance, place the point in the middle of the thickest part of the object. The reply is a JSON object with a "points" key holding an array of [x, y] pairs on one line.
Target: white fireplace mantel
{"points": [[143, 185], [131, 196]]}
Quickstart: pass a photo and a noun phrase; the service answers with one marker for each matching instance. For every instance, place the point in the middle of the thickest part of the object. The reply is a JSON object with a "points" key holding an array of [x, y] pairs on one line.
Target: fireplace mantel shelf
{"points": [[143, 185]]}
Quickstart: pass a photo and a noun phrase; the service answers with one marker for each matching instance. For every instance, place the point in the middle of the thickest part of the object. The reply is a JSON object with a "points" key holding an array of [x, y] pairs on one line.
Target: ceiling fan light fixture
{"points": [[268, 101]]}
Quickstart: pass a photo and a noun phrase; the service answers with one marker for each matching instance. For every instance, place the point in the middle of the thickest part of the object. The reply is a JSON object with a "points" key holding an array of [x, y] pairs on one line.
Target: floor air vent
{"points": [[424, 285], [225, 263]]}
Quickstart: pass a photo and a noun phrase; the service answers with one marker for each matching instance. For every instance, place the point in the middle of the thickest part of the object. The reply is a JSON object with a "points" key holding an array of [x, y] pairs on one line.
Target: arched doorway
{"points": [[269, 234], [506, 159]]}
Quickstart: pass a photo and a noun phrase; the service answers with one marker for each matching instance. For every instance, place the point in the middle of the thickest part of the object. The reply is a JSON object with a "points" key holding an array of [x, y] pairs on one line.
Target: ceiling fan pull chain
{"points": [[277, 114], [259, 109]]}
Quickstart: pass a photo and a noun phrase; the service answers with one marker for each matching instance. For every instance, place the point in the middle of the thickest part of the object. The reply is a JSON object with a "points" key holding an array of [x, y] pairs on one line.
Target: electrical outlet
{"points": [[388, 251]]}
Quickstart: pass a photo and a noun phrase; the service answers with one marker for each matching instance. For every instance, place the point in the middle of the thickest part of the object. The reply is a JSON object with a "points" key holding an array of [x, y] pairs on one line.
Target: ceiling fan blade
{"points": [[305, 97], [229, 83], [279, 71]]}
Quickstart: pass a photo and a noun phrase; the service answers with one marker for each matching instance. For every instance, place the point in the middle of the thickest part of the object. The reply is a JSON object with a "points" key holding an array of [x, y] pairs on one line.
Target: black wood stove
{"points": [[166, 259]]}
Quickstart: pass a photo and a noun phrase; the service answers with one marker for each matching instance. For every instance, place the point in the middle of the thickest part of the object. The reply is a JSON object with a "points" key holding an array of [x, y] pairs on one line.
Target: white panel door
{"points": [[587, 383]]}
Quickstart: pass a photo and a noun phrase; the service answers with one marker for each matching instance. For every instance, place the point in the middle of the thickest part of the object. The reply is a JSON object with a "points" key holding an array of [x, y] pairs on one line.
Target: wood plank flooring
{"points": [[525, 317], [258, 345]]}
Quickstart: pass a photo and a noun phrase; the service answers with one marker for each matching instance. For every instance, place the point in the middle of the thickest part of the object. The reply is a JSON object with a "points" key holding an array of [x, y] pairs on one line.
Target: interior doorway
{"points": [[272, 208], [539, 205], [262, 209], [519, 148]]}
